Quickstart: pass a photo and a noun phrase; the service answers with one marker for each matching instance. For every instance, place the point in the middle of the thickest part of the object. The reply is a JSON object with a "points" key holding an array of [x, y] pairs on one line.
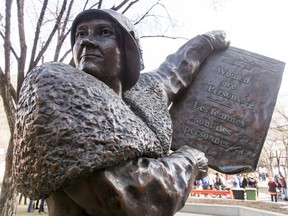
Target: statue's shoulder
{"points": [[50, 66], [150, 87], [147, 99]]}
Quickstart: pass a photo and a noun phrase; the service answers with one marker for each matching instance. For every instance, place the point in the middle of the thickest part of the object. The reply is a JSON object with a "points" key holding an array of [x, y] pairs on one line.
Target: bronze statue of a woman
{"points": [[94, 138]]}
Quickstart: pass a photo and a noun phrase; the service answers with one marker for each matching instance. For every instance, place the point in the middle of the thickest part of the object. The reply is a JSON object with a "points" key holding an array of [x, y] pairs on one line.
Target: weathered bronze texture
{"points": [[72, 128], [96, 140], [77, 141], [227, 110], [69, 123]]}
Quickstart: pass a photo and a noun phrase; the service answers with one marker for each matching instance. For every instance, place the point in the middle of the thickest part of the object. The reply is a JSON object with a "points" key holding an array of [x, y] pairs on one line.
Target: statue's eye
{"points": [[81, 33], [106, 32]]}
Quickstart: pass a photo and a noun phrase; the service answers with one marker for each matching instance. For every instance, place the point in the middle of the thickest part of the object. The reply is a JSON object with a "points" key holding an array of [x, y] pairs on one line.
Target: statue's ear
{"points": [[72, 63]]}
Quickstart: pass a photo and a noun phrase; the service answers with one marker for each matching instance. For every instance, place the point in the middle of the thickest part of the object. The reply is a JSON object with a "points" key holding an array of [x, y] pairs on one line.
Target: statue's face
{"points": [[96, 50]]}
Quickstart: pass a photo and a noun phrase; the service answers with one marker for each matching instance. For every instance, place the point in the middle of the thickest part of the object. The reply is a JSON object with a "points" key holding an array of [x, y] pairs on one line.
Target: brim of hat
{"points": [[133, 64]]}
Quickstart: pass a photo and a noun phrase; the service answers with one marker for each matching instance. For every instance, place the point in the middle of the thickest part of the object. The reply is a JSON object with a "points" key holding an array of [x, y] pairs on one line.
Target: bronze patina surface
{"points": [[228, 108], [94, 137]]}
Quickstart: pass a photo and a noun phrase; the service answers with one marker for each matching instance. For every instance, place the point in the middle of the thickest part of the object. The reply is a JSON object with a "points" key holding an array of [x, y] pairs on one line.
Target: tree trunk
{"points": [[270, 169], [8, 189]]}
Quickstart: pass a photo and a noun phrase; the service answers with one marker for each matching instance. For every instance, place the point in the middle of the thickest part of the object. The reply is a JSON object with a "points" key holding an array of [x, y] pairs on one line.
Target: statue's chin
{"points": [[91, 68]]}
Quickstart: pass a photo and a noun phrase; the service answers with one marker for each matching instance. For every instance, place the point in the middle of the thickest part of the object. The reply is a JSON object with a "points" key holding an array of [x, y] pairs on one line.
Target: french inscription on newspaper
{"points": [[227, 111]]}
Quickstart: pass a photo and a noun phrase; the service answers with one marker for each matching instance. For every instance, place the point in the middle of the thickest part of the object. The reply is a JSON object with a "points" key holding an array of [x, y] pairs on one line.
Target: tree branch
{"points": [[9, 109], [6, 95], [47, 43], [129, 6], [116, 8], [4, 82], [63, 35], [85, 5], [12, 49], [7, 44], [147, 12], [37, 33], [23, 46], [163, 36], [100, 4], [65, 55]]}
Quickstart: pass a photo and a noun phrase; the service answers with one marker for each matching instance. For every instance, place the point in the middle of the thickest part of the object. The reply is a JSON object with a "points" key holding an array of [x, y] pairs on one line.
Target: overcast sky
{"points": [[255, 25]]}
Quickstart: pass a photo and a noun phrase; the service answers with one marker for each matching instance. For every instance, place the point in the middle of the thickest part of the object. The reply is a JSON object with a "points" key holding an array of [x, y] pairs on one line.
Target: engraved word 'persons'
{"points": [[208, 137], [227, 95]]}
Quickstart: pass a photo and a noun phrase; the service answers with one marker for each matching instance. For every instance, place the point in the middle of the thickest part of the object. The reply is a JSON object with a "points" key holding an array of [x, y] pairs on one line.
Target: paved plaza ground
{"points": [[263, 201]]}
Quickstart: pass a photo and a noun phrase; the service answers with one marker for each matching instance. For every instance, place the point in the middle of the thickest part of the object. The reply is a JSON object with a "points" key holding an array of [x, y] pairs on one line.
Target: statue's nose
{"points": [[88, 41]]}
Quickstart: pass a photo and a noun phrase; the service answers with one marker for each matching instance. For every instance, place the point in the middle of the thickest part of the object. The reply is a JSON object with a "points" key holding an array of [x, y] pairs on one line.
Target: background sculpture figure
{"points": [[103, 137]]}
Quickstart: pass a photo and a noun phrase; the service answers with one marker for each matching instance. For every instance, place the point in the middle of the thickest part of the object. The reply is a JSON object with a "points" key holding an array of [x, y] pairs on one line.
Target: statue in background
{"points": [[94, 138]]}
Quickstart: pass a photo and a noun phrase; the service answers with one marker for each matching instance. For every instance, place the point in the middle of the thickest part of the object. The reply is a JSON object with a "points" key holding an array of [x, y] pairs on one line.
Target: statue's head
{"points": [[105, 43]]}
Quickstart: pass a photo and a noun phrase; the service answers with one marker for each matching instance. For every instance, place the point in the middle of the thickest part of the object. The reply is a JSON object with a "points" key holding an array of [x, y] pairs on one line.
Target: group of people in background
{"points": [[277, 188], [218, 181], [277, 185], [211, 182], [249, 181], [33, 204]]}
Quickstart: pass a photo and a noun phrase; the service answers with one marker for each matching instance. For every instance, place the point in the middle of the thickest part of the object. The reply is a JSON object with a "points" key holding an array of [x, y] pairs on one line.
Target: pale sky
{"points": [[255, 25]]}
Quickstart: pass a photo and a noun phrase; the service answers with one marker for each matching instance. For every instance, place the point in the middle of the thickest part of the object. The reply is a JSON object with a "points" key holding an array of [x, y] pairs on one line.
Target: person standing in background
{"points": [[244, 181], [285, 182], [272, 189]]}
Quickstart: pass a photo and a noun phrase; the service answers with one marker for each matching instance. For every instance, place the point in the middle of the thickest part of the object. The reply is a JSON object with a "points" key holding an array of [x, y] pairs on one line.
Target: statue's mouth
{"points": [[97, 56]]}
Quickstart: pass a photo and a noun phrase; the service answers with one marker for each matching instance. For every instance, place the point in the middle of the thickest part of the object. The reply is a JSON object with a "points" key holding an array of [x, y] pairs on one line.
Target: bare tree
{"points": [[280, 130], [8, 191], [39, 48], [275, 150], [265, 158]]}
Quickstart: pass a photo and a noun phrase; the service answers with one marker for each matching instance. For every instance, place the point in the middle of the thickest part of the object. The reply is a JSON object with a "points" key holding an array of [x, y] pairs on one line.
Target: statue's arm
{"points": [[164, 183], [177, 71], [144, 186]]}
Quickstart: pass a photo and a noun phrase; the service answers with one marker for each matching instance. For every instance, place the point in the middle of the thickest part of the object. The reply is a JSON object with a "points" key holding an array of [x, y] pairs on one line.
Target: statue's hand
{"points": [[197, 158], [217, 39], [202, 163]]}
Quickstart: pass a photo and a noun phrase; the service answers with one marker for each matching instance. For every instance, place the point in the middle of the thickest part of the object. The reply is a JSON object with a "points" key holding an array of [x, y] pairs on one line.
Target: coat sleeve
{"points": [[144, 186], [177, 71]]}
